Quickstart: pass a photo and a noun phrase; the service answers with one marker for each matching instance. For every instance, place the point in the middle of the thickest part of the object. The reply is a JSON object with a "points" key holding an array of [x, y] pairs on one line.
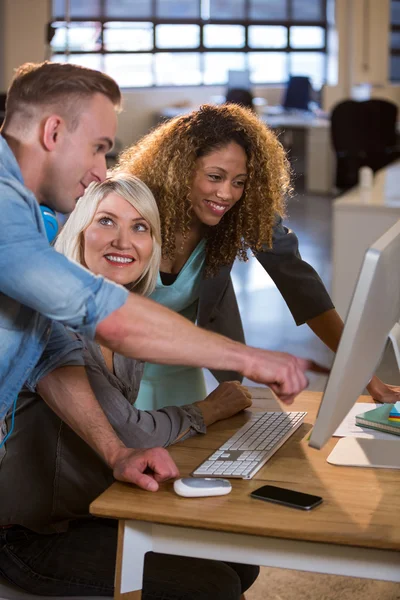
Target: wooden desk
{"points": [[355, 531]]}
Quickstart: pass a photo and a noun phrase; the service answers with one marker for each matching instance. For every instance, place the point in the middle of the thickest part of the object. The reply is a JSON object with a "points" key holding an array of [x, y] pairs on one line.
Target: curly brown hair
{"points": [[165, 159]]}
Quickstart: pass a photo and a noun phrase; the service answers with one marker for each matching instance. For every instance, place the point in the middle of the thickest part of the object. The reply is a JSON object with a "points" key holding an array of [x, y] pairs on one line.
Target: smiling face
{"points": [[218, 183], [79, 157], [118, 243]]}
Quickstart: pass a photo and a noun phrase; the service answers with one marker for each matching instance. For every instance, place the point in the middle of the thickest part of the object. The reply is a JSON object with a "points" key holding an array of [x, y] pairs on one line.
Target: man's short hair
{"points": [[62, 87]]}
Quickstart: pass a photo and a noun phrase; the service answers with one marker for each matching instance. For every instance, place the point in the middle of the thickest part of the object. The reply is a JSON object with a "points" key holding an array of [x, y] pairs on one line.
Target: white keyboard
{"points": [[251, 446]]}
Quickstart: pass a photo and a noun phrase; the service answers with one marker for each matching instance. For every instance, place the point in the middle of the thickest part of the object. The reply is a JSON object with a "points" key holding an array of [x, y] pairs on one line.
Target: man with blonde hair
{"points": [[60, 122]]}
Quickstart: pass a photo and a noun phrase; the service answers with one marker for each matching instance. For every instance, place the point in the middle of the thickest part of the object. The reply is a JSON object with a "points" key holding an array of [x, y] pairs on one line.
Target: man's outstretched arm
{"points": [[148, 331], [68, 393]]}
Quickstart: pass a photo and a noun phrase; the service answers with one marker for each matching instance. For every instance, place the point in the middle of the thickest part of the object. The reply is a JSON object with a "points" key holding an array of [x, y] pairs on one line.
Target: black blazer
{"points": [[299, 284]]}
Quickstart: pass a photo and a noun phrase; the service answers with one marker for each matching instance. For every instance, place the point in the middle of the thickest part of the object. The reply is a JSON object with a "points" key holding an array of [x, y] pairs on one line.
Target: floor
{"points": [[282, 584]]}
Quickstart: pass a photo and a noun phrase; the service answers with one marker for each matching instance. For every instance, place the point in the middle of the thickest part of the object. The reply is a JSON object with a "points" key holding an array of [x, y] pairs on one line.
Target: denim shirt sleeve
{"points": [[62, 349], [35, 275]]}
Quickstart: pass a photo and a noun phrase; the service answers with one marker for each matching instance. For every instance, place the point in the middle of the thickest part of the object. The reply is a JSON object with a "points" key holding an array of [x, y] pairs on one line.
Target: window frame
{"points": [[201, 48]]}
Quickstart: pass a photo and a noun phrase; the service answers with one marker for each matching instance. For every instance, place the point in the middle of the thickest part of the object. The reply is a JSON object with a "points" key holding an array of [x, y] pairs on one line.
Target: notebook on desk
{"points": [[378, 419]]}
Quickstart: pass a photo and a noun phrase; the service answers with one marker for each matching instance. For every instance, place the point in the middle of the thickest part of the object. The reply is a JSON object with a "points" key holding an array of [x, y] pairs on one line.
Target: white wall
{"points": [[23, 31], [363, 57], [2, 47]]}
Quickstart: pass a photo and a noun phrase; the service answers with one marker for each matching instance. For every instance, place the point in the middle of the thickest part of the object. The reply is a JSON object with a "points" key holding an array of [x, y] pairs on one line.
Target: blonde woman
{"points": [[115, 232]]}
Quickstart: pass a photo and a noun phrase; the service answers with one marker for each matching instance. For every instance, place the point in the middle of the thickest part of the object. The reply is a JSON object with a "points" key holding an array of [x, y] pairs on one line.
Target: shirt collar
{"points": [[9, 161]]}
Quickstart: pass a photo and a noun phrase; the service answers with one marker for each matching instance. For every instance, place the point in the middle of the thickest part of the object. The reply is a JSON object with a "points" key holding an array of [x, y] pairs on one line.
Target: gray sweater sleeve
{"points": [[139, 428], [297, 281]]}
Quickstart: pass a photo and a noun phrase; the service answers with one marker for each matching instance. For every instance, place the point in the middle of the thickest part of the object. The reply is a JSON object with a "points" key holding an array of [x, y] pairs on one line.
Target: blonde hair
{"points": [[130, 188]]}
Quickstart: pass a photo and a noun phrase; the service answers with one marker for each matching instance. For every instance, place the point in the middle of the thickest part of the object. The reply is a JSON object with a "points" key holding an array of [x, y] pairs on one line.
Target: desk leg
{"points": [[132, 547]]}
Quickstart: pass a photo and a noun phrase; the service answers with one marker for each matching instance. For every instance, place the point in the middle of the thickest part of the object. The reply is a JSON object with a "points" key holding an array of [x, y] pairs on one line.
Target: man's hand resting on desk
{"points": [[284, 373], [145, 468], [225, 401]]}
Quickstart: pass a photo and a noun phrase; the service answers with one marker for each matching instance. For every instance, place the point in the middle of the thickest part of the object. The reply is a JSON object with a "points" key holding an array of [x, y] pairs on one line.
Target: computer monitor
{"points": [[239, 79], [373, 315], [298, 93]]}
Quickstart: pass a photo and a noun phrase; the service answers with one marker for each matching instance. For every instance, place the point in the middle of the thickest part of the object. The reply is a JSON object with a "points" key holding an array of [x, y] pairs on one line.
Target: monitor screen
{"points": [[298, 93], [374, 312]]}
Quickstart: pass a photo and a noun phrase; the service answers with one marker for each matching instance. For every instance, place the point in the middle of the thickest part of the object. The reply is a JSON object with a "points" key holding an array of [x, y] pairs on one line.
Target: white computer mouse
{"points": [[195, 487]]}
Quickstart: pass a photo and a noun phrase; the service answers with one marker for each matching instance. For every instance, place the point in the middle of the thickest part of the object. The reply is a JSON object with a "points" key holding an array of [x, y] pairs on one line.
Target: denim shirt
{"points": [[40, 291]]}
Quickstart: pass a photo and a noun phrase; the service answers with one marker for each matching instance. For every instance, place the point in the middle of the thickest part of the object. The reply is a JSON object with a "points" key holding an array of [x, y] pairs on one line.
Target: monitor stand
{"points": [[366, 452], [370, 452], [394, 337]]}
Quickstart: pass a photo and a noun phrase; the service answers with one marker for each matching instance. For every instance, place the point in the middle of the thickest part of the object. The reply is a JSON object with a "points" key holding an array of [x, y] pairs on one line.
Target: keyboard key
{"points": [[251, 446]]}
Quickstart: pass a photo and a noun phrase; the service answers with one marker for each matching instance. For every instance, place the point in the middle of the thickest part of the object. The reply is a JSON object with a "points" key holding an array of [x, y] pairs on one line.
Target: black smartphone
{"points": [[271, 493]]}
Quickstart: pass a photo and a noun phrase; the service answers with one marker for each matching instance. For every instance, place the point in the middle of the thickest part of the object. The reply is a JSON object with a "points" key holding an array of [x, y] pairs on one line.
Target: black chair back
{"points": [[363, 134], [239, 96], [380, 143], [3, 97]]}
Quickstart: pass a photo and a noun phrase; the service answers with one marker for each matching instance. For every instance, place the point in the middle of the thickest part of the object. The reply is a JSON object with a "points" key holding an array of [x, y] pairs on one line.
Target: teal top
{"points": [[174, 385]]}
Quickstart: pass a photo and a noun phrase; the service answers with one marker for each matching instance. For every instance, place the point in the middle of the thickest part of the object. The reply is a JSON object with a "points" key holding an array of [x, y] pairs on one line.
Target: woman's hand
{"points": [[225, 401], [383, 392]]}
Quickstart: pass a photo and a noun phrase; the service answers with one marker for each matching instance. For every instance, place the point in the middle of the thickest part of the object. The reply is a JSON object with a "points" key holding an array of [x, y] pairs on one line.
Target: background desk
{"points": [[354, 532], [319, 158], [360, 217]]}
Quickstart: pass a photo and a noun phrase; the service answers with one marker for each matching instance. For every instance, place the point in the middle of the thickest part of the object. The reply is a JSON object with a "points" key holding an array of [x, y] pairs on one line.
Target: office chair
{"points": [[297, 94], [363, 134], [381, 140], [239, 96]]}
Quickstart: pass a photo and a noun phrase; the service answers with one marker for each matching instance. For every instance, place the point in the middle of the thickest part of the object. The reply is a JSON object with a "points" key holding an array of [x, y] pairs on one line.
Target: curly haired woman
{"points": [[220, 177]]}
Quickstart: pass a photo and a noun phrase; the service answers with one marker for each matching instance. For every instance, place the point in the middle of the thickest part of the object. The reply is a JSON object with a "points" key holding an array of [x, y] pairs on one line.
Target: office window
{"points": [[193, 42], [307, 10], [126, 37], [84, 36], [273, 63], [269, 10], [224, 36], [310, 63], [394, 62], [177, 69], [130, 70], [268, 36], [230, 10], [126, 9], [177, 9], [217, 64], [307, 37], [177, 36]]}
